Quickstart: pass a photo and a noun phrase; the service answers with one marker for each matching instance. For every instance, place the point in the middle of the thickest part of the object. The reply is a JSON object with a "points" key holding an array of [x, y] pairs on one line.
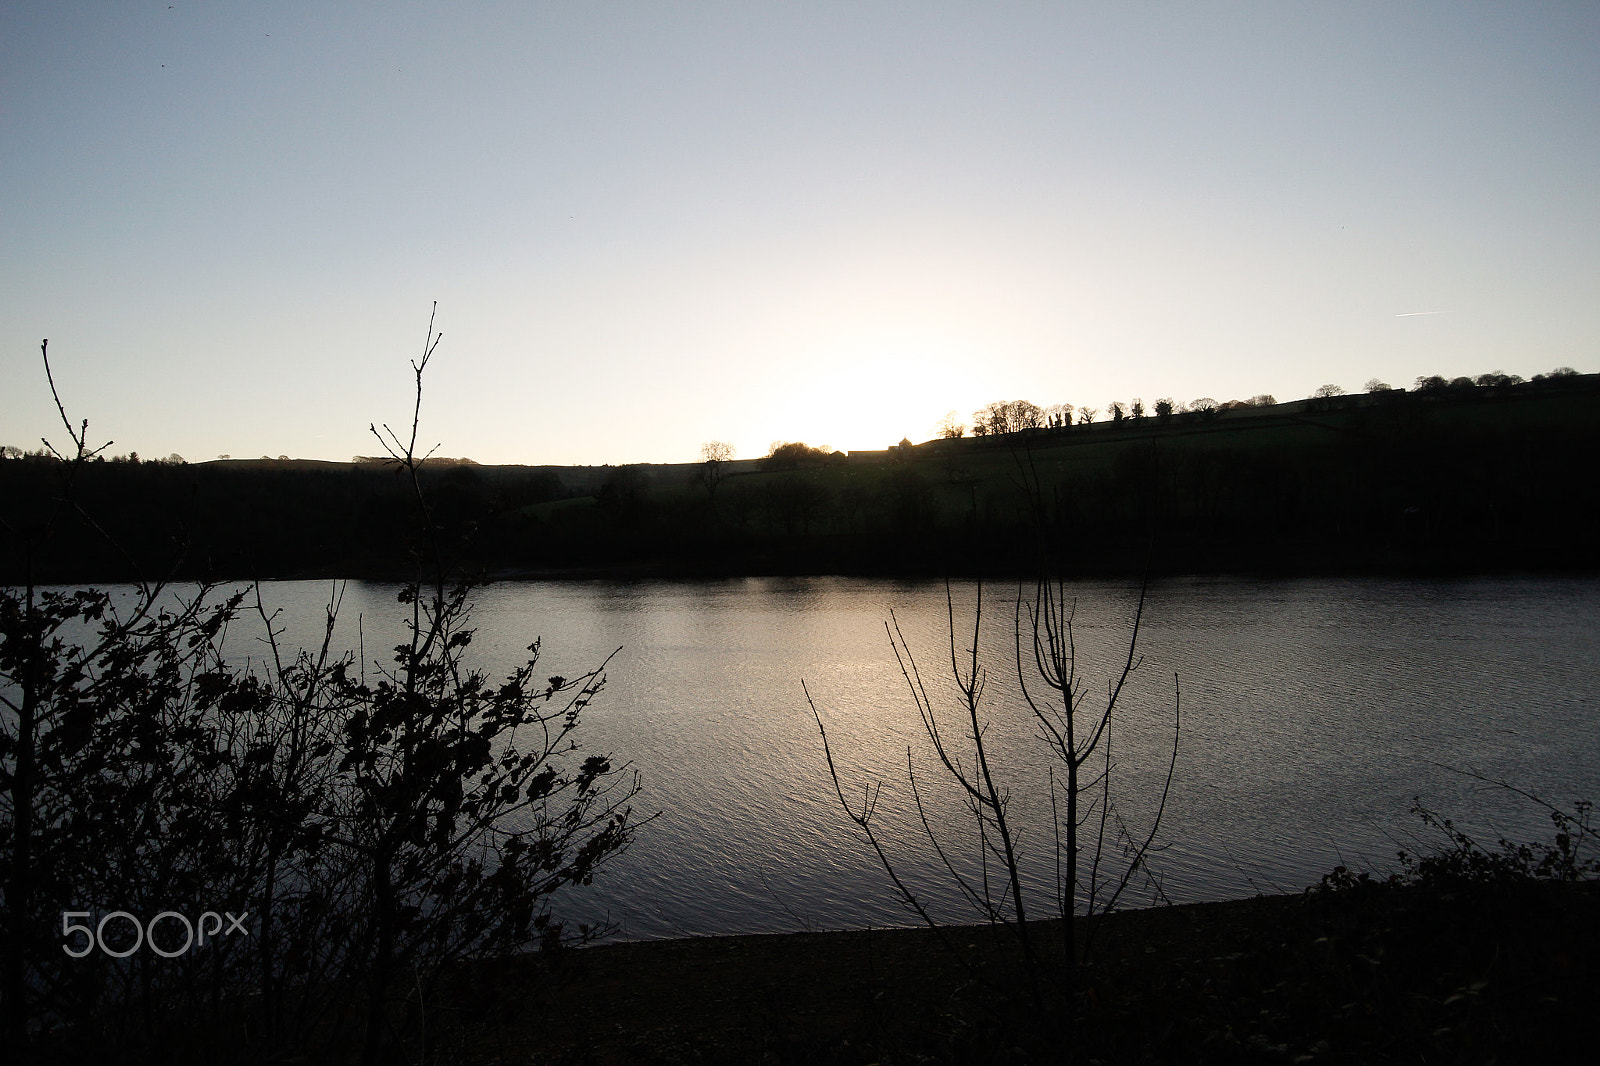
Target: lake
{"points": [[1313, 713]]}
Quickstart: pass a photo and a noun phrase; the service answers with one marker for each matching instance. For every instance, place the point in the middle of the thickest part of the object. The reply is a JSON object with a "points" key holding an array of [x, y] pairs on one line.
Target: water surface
{"points": [[1313, 712]]}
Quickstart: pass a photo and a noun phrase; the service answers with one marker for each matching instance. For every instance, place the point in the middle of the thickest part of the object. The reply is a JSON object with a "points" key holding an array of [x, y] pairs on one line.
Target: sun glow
{"points": [[868, 391]]}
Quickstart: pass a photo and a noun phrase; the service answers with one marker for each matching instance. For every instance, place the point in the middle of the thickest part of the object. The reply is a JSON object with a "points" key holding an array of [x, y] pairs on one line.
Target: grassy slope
{"points": [[1466, 482], [1085, 453]]}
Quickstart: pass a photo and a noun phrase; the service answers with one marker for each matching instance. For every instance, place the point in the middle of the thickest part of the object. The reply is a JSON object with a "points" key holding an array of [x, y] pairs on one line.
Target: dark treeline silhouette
{"points": [[1003, 418], [243, 519], [792, 455], [1454, 476]]}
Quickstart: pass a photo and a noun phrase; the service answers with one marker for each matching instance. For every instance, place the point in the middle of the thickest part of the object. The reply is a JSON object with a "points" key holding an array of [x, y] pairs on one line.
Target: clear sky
{"points": [[648, 225]]}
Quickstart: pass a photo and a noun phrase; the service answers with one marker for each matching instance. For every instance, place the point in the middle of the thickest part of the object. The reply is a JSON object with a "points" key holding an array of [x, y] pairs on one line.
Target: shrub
{"points": [[1465, 862], [374, 828], [792, 455]]}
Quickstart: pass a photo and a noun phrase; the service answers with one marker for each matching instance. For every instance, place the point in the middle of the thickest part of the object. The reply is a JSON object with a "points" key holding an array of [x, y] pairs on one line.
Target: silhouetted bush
{"points": [[792, 455], [362, 826]]}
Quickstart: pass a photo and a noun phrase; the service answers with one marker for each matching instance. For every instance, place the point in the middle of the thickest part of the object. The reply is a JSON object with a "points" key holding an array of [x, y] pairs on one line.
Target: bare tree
{"points": [[951, 427], [1009, 417], [990, 420], [1075, 734], [1327, 392], [715, 455], [1097, 855], [1024, 415], [1086, 825]]}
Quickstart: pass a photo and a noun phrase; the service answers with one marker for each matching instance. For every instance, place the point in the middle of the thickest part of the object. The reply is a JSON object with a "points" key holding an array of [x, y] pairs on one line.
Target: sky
{"points": [[650, 225]]}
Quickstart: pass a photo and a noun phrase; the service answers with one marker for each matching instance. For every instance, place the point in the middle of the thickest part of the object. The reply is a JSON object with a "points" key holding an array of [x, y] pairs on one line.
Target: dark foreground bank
{"points": [[1362, 974], [1356, 971]]}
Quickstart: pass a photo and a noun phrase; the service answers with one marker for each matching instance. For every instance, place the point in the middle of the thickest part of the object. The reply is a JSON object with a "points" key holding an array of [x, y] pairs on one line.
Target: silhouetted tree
{"points": [[1059, 415], [792, 455], [1078, 784], [1009, 417], [715, 455], [1024, 415]]}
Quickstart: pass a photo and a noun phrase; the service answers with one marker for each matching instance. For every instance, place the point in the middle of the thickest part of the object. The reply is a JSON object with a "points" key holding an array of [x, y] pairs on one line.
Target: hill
{"points": [[1454, 479]]}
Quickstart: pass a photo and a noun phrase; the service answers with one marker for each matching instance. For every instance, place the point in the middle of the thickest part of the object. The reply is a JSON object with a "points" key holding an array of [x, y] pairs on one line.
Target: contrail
{"points": [[1414, 314]]}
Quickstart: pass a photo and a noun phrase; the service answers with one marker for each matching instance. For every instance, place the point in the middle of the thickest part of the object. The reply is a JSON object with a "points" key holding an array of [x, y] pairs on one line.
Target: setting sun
{"points": [[869, 390]]}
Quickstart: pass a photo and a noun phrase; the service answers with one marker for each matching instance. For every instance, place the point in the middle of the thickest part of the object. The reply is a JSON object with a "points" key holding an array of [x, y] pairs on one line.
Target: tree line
{"points": [[1464, 476], [1016, 416], [1420, 480]]}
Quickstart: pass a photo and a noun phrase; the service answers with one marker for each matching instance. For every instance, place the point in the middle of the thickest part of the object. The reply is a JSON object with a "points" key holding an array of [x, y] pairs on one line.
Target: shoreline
{"points": [[689, 570]]}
